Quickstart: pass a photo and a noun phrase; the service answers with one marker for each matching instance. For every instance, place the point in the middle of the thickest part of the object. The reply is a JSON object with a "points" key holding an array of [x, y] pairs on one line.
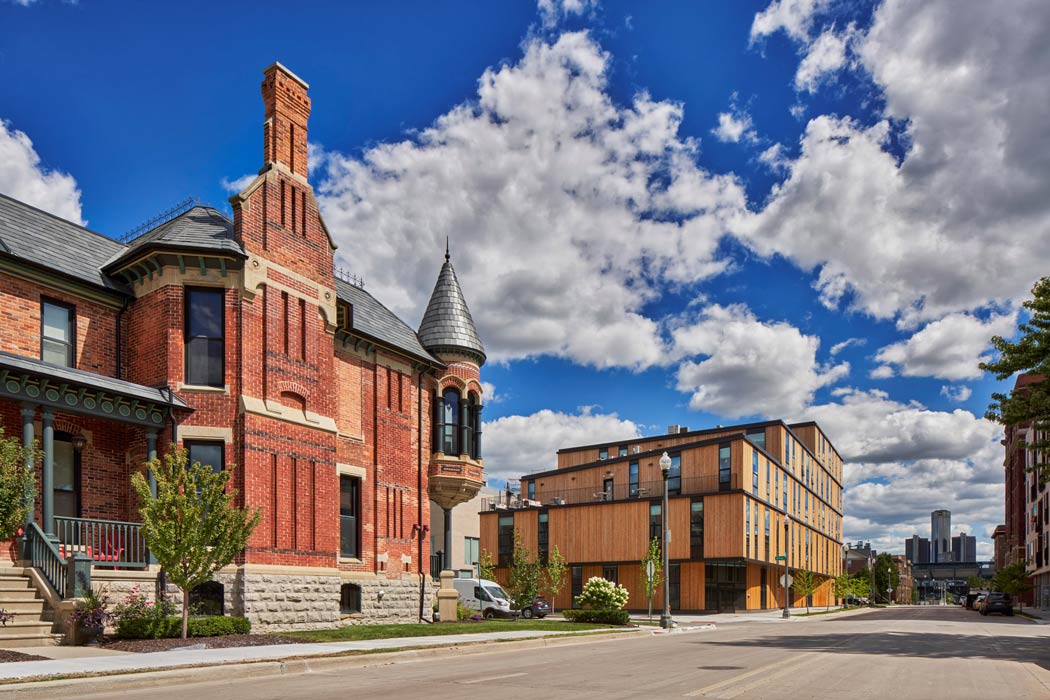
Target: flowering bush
{"points": [[599, 594], [139, 612], [90, 611]]}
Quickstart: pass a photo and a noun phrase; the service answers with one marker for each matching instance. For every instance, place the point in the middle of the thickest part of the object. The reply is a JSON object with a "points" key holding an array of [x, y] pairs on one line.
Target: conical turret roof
{"points": [[447, 325]]}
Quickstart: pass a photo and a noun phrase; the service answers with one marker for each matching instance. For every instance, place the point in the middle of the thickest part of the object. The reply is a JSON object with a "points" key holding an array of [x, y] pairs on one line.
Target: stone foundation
{"points": [[385, 601]]}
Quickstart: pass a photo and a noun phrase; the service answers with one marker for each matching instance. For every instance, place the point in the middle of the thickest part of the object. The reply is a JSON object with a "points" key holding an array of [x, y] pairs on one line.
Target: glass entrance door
{"points": [[67, 478]]}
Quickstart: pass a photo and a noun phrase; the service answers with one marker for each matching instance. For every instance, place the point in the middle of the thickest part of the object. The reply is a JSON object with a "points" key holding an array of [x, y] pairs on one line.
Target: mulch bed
{"points": [[145, 646], [7, 656]]}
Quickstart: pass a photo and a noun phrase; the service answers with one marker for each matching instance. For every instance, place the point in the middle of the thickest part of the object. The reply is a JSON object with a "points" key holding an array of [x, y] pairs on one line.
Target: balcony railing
{"points": [[105, 542], [617, 492]]}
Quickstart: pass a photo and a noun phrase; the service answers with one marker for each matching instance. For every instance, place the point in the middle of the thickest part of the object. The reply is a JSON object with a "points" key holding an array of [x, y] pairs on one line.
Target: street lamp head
{"points": [[665, 464]]}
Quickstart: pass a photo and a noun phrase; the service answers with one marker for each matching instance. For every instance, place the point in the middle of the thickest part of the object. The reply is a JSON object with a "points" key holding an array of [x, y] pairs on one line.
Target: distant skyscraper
{"points": [[940, 536], [917, 550], [964, 548]]}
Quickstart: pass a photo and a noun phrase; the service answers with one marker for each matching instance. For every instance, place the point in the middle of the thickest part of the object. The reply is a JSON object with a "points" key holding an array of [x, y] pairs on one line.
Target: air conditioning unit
{"points": [[636, 449], [529, 503], [557, 501], [673, 429]]}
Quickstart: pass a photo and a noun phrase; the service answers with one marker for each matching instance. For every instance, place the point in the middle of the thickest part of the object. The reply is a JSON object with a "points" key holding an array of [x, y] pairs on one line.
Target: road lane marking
{"points": [[743, 676], [807, 660], [493, 678]]}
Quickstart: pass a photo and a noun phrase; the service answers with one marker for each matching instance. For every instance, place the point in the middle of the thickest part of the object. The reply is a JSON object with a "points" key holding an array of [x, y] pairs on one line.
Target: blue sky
{"points": [[663, 212]]}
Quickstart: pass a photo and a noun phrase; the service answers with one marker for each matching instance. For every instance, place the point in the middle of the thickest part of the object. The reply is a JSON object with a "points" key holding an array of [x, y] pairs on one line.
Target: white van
{"points": [[485, 596]]}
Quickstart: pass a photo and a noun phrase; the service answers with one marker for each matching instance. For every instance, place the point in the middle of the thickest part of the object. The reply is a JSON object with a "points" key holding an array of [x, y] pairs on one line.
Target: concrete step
{"points": [[21, 641], [15, 582], [23, 607], [22, 627], [19, 594]]}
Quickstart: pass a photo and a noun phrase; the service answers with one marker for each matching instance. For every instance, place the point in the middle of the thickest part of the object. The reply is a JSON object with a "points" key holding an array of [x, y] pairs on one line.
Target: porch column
{"points": [[28, 414], [151, 454], [48, 486]]}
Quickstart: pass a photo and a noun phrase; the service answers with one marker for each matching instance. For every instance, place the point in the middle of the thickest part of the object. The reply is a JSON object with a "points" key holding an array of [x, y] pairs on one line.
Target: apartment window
{"points": [[505, 540], [696, 529], [754, 473], [674, 586], [725, 466], [603, 453], [349, 599], [655, 522], [58, 333], [209, 453], [531, 490], [205, 337], [674, 474], [610, 572], [632, 476], [769, 483], [576, 585], [622, 451], [471, 551], [543, 537], [767, 535], [758, 437], [349, 522], [747, 528]]}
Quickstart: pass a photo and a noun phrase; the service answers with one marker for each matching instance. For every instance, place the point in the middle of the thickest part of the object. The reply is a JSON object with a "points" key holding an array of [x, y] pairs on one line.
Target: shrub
{"points": [[605, 617], [137, 612], [168, 627], [600, 594]]}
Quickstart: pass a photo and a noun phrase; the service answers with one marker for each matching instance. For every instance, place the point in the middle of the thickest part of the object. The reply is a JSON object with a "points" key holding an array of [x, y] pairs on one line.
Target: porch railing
{"points": [[105, 542], [43, 553]]}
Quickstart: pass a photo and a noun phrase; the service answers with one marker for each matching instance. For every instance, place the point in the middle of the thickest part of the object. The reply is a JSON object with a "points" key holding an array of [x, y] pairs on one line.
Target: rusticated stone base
{"points": [[385, 601]]}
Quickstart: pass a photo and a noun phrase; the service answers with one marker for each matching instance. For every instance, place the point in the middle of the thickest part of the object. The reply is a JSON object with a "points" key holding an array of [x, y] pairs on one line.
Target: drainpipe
{"points": [[120, 344]]}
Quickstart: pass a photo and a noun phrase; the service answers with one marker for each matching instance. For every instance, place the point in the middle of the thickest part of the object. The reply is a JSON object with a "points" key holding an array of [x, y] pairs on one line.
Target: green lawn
{"points": [[357, 632]]}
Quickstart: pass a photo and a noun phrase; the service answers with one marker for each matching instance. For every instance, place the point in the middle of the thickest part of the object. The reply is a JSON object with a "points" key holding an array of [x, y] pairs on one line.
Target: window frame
{"points": [[187, 294], [725, 466], [71, 328], [632, 479], [346, 602], [189, 443], [696, 528], [354, 551]]}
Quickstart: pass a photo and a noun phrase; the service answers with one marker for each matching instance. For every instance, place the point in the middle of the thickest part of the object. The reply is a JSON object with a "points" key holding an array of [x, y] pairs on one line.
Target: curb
{"points": [[686, 629], [48, 687]]}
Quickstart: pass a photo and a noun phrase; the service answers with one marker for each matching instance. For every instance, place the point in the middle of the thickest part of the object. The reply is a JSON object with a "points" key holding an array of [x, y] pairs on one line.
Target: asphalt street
{"points": [[913, 652]]}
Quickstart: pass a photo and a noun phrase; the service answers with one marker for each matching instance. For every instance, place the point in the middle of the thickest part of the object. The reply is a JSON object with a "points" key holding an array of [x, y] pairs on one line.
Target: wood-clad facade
{"points": [[730, 490]]}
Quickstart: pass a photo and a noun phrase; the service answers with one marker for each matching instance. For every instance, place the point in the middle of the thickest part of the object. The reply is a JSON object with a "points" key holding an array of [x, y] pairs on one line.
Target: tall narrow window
{"points": [[674, 586], [57, 333], [66, 477], [302, 211], [747, 528], [696, 529], [450, 422], [632, 476], [725, 467], [767, 534], [283, 204], [754, 472], [294, 197], [205, 337], [576, 586], [542, 536], [302, 329], [505, 540], [531, 490], [349, 524], [209, 453], [674, 474], [471, 551], [655, 522]]}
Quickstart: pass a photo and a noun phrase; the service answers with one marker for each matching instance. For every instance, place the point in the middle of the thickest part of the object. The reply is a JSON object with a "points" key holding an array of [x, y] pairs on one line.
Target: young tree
{"points": [[843, 587], [1012, 580], [804, 583], [16, 484], [1031, 355], [555, 574], [486, 566], [524, 583], [975, 583], [191, 526], [651, 584], [862, 584]]}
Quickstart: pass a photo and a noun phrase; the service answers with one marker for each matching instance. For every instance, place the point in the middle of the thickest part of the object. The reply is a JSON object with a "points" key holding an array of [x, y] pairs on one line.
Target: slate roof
{"points": [[45, 240], [374, 320], [79, 377], [447, 324], [200, 228]]}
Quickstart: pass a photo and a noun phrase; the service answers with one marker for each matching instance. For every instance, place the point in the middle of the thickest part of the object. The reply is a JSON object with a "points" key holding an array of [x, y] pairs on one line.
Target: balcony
{"points": [[618, 492], [454, 480]]}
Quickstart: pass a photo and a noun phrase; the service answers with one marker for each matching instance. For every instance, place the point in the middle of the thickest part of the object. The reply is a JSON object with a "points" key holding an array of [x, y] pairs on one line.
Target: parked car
{"points": [[487, 597], [969, 601], [998, 602], [979, 601], [540, 608]]}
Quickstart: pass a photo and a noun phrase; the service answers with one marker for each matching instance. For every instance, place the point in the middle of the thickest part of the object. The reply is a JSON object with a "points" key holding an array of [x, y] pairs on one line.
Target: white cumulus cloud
{"points": [[949, 348], [25, 178]]}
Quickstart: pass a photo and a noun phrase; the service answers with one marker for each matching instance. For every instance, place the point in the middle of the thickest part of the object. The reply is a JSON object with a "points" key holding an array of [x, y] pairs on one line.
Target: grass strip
{"points": [[355, 633]]}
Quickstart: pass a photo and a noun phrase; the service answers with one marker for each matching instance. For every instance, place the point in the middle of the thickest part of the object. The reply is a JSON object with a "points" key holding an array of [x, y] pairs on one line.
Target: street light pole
{"points": [[665, 619], [787, 551]]}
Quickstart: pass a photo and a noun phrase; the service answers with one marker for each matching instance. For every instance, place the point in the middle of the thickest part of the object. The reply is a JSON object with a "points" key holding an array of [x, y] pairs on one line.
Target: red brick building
{"points": [[236, 340]]}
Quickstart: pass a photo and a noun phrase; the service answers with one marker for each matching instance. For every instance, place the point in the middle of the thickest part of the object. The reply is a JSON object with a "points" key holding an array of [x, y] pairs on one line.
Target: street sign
{"points": [[650, 570], [780, 557], [789, 581]]}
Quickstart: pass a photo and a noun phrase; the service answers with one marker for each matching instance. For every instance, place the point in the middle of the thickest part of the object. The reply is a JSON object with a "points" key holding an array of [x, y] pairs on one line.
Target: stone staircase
{"points": [[33, 620]]}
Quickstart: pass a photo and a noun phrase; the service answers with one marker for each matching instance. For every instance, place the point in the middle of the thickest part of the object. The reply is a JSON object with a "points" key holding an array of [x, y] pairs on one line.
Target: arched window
{"points": [[450, 422], [474, 421]]}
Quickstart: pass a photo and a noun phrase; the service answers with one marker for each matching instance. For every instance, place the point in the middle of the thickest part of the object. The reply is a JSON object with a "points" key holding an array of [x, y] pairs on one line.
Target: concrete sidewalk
{"points": [[189, 656]]}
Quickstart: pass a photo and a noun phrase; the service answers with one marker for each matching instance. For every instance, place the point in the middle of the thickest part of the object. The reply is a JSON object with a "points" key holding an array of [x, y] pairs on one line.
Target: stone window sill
{"points": [[350, 560], [201, 389]]}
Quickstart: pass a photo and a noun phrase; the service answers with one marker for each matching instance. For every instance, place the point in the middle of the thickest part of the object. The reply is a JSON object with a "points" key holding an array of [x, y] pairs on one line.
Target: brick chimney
{"points": [[287, 112]]}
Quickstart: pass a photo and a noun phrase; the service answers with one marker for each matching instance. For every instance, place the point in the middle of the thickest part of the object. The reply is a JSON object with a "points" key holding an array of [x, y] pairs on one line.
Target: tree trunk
{"points": [[185, 612]]}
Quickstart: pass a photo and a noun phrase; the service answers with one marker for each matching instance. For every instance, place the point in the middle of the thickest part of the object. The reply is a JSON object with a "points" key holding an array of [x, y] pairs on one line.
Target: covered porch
{"points": [[91, 432]]}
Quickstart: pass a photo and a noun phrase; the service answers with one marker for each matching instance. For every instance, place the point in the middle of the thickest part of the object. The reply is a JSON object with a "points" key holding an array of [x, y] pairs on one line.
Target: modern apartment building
{"points": [[236, 340], [739, 497]]}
